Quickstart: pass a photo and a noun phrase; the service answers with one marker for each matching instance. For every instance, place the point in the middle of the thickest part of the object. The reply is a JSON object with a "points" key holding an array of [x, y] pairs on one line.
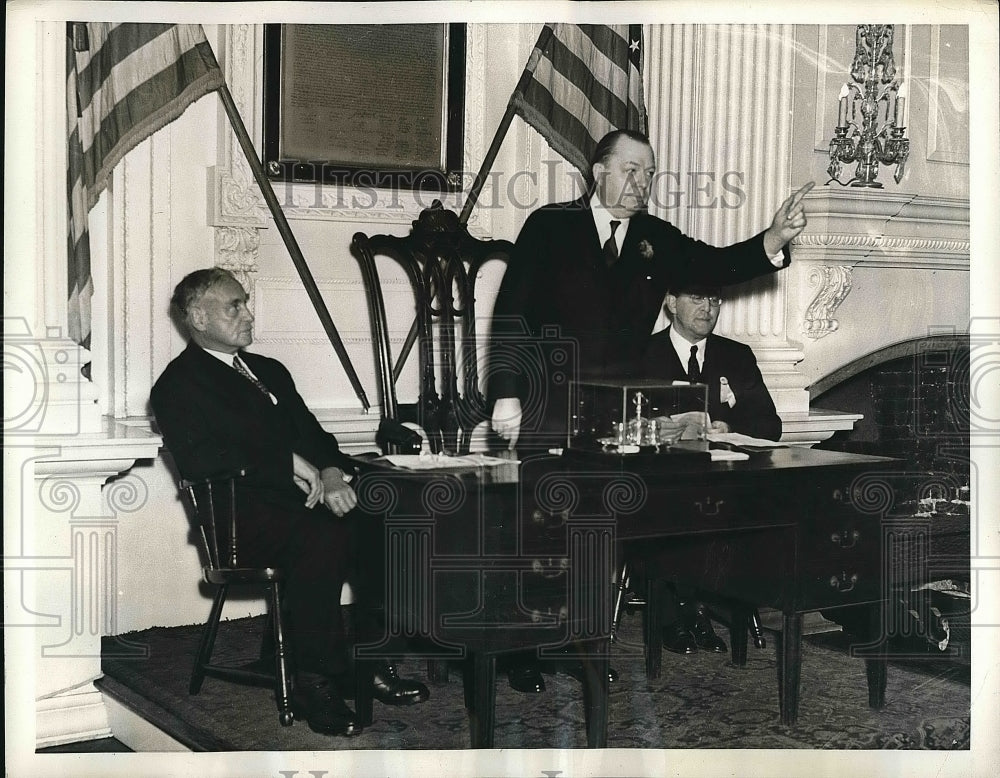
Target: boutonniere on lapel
{"points": [[646, 250]]}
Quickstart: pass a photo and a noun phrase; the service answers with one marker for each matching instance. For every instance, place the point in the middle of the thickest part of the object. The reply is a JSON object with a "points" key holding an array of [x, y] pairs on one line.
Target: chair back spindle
{"points": [[214, 503], [442, 262]]}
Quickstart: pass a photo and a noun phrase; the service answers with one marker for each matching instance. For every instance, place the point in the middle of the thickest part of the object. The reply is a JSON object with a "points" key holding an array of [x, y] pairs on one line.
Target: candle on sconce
{"points": [[899, 117], [871, 113]]}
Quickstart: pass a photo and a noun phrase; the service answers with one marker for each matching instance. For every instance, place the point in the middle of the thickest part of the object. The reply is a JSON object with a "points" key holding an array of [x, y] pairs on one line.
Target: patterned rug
{"points": [[700, 701]]}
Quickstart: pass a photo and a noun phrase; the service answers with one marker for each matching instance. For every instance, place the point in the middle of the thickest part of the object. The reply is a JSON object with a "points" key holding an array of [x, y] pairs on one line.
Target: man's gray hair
{"points": [[195, 284]]}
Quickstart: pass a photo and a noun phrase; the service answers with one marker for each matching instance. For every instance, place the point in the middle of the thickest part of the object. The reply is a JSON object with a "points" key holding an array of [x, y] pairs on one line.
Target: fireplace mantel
{"points": [[885, 229], [875, 267]]}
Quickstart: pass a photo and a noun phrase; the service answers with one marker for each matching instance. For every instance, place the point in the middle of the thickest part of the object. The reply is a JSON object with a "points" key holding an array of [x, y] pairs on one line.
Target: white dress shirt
{"points": [[683, 348], [603, 219], [227, 359]]}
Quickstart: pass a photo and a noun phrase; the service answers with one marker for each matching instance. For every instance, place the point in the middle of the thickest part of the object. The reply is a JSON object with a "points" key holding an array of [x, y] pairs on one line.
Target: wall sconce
{"points": [[879, 136]]}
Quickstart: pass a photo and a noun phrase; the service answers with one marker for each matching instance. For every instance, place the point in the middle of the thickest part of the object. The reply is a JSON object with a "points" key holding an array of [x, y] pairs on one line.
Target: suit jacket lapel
{"points": [[679, 369], [586, 238], [224, 378], [712, 370]]}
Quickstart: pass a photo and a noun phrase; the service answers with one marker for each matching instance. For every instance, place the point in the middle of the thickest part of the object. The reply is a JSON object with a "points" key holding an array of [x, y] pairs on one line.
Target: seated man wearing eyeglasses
{"points": [[738, 401]]}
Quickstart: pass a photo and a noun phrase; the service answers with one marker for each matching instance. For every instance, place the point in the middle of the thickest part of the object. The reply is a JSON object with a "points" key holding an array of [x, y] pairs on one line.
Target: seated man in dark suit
{"points": [[738, 401], [222, 409]]}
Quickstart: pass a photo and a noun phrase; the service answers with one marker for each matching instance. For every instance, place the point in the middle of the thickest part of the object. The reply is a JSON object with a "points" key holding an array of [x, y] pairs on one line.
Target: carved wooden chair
{"points": [[214, 503], [442, 261]]}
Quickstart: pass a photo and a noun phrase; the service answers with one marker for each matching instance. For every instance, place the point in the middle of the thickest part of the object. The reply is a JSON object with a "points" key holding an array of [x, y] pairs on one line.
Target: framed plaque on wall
{"points": [[368, 105]]}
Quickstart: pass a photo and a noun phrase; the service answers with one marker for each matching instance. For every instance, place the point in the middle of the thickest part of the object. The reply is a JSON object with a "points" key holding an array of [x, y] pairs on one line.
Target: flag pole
{"points": [[236, 121], [501, 133]]}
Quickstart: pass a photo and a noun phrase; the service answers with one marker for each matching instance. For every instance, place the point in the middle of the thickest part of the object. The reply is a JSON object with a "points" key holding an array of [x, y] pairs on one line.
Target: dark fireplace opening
{"points": [[915, 400]]}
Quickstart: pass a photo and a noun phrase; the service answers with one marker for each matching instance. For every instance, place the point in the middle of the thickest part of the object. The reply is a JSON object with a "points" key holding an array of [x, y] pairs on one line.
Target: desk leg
{"points": [[364, 698], [789, 667], [484, 693], [652, 626], [437, 670], [595, 696], [876, 664], [738, 628]]}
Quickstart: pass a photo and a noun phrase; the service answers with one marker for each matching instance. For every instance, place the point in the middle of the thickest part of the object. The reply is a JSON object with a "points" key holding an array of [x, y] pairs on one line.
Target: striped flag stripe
{"points": [[611, 39], [123, 83], [156, 98], [78, 281], [568, 72], [142, 78], [544, 113], [581, 82], [606, 52], [112, 46], [591, 120], [136, 69]]}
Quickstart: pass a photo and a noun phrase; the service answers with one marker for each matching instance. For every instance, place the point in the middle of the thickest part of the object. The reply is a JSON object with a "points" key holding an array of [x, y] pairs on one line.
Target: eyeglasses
{"points": [[698, 299]]}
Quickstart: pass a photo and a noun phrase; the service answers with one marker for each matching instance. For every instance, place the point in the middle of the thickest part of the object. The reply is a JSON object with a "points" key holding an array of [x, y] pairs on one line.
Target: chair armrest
{"points": [[356, 465], [216, 477]]}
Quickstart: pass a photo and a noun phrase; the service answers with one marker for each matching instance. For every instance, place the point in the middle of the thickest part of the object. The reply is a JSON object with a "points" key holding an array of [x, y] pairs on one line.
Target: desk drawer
{"points": [[658, 513], [840, 551], [693, 510]]}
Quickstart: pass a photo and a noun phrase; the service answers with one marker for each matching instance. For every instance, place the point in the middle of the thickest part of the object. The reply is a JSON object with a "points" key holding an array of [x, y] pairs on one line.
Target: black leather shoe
{"points": [[389, 689], [526, 678], [704, 634], [575, 670], [326, 713], [677, 638]]}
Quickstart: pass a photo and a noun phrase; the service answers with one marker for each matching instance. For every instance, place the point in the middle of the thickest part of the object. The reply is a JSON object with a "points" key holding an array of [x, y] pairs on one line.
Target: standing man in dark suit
{"points": [[595, 271], [738, 401], [222, 409]]}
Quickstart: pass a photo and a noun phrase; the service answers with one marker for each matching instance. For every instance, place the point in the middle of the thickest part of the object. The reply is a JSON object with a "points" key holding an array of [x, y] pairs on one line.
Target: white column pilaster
{"points": [[720, 105]]}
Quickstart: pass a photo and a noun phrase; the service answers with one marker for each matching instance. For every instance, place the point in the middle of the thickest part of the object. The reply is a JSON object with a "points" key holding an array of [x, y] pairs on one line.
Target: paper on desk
{"points": [[428, 461], [738, 439], [722, 455]]}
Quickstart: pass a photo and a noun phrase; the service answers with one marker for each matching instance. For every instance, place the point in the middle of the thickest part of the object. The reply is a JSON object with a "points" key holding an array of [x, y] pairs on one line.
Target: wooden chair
{"points": [[744, 619], [214, 503], [442, 261]]}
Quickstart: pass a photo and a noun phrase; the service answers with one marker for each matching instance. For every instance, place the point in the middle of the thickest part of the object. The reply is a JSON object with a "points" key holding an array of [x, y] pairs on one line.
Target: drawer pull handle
{"points": [[846, 539], [551, 568], [709, 506], [843, 583]]}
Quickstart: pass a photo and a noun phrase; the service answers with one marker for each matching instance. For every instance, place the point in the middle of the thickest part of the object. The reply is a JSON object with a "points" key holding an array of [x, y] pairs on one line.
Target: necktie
{"points": [[611, 246], [694, 372], [240, 368]]}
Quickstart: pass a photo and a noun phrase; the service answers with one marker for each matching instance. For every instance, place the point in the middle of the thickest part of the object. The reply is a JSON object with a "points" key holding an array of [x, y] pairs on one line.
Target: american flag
{"points": [[123, 83], [581, 82]]}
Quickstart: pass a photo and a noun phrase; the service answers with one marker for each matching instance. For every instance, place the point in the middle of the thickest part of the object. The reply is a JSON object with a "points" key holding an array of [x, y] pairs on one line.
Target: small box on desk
{"points": [[637, 418]]}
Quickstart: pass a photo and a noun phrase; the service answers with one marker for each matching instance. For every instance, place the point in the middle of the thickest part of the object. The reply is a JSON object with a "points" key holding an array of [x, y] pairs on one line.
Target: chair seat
{"points": [[228, 575]]}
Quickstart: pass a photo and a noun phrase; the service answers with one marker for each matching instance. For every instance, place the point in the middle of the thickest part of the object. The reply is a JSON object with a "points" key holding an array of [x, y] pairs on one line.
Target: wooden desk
{"points": [[487, 561]]}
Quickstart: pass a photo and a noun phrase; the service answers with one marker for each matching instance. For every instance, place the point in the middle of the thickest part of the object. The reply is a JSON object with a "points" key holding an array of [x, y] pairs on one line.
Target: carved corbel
{"points": [[237, 249], [238, 209], [834, 282]]}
